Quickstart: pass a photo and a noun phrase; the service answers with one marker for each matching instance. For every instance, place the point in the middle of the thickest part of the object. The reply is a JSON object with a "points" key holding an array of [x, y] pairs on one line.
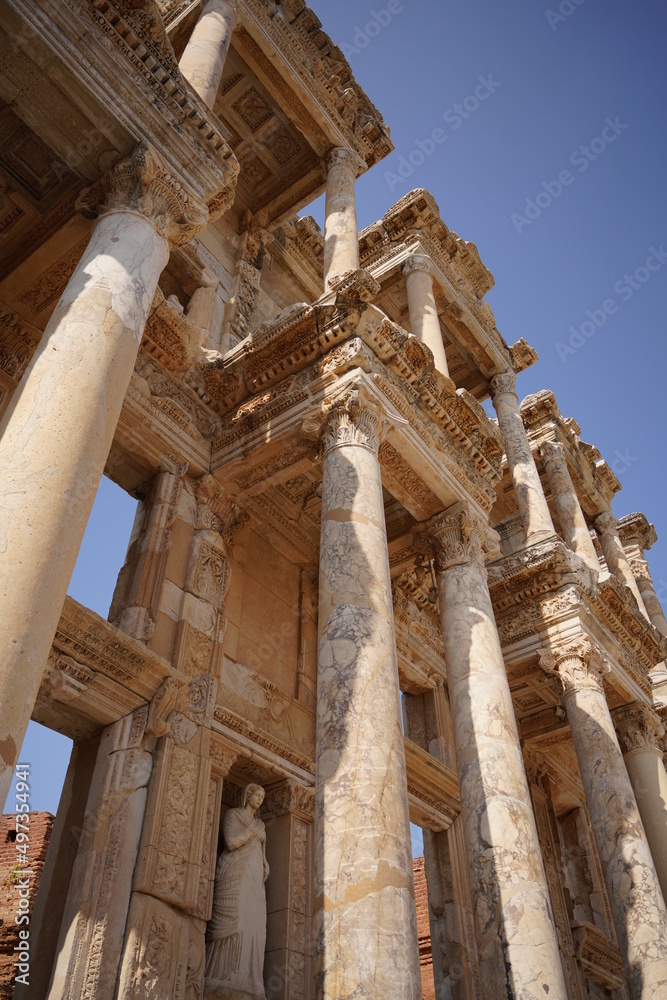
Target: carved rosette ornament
{"points": [[143, 185], [580, 665], [503, 383], [638, 727], [351, 421]]}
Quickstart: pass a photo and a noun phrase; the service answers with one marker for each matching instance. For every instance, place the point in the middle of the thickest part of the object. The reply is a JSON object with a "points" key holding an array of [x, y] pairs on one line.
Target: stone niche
{"points": [[287, 814]]}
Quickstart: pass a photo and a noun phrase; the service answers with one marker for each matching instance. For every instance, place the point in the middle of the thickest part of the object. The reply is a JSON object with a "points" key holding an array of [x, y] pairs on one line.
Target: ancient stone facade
{"points": [[345, 583]]}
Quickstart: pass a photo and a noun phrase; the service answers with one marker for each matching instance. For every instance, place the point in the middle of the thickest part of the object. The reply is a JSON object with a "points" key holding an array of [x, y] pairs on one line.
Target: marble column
{"points": [[636, 900], [204, 57], [637, 535], [58, 430], [571, 517], [606, 526], [639, 729], [367, 942], [530, 497], [341, 236], [514, 922], [424, 321]]}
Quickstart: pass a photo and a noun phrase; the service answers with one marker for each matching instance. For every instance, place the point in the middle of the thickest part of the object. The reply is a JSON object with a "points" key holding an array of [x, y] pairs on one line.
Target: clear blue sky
{"points": [[550, 82]]}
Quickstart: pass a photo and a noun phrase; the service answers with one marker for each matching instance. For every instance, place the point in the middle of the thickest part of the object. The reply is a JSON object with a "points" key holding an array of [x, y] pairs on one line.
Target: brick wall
{"points": [[41, 824], [423, 929]]}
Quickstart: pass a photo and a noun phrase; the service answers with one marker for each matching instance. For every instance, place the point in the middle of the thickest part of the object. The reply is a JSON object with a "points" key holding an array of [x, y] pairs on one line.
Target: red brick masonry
{"points": [[424, 930], [41, 824]]}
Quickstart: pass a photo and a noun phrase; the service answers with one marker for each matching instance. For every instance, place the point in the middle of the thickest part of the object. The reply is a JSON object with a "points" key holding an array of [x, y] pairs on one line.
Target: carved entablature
{"points": [[594, 481], [137, 45], [169, 336], [448, 421], [636, 529], [533, 572], [638, 727], [413, 229], [319, 70]]}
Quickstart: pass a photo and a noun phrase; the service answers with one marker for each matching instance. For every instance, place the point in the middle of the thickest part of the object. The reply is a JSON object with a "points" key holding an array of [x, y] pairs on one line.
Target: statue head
{"points": [[252, 793]]}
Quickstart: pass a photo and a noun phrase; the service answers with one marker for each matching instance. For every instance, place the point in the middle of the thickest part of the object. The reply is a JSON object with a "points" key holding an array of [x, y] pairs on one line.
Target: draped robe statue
{"points": [[236, 932]]}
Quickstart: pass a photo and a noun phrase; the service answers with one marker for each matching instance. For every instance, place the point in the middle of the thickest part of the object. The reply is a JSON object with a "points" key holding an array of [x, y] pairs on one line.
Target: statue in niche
{"points": [[236, 932]]}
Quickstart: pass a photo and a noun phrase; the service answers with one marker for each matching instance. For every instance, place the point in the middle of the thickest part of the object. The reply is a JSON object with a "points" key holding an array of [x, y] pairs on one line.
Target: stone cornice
{"points": [[433, 788], [316, 71], [596, 484], [636, 528], [313, 346], [128, 68]]}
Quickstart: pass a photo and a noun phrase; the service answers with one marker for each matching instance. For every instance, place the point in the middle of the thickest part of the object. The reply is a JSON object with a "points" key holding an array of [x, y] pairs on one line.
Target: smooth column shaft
{"points": [[519, 955], [531, 501], [56, 437], [566, 501], [367, 943], [341, 236], [204, 58], [424, 321], [636, 900]]}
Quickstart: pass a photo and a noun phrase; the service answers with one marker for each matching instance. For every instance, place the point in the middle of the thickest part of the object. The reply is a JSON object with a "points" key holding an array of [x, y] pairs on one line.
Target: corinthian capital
{"points": [[142, 183], [579, 666], [638, 727], [505, 382], [606, 522], [455, 537], [352, 421], [552, 451], [417, 262], [341, 156]]}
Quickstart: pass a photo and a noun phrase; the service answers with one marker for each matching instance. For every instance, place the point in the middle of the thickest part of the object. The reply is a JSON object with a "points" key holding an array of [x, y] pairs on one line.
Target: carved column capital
{"points": [[217, 511], [352, 421], [578, 666], [142, 184], [341, 156], [223, 757], [455, 537], [606, 523], [638, 727], [289, 797], [417, 262], [552, 451], [505, 382], [641, 572]]}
